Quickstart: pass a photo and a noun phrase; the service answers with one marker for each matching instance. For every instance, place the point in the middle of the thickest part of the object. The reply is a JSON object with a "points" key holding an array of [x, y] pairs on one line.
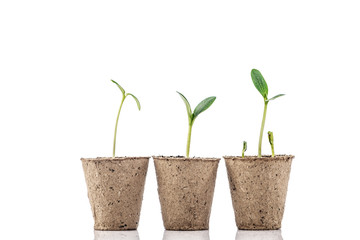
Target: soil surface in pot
{"points": [[115, 190], [186, 189], [258, 190]]}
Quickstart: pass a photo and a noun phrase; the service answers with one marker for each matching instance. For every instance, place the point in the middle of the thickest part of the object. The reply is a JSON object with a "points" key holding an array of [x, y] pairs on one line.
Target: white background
{"points": [[57, 104]]}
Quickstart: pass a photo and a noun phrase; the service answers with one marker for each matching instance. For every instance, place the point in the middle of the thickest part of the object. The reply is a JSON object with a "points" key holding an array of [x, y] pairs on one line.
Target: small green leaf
{"points": [[188, 107], [279, 95], [259, 82], [121, 89], [203, 105], [137, 101]]}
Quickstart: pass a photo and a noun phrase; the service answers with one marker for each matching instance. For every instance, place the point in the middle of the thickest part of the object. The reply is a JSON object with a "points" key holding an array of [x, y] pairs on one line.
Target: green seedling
{"points": [[271, 141], [201, 107], [244, 148], [124, 95], [262, 87]]}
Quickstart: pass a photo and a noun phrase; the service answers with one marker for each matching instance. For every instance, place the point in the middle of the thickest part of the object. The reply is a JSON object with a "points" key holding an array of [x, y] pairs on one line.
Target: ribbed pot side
{"points": [[258, 189], [186, 190], [115, 190]]}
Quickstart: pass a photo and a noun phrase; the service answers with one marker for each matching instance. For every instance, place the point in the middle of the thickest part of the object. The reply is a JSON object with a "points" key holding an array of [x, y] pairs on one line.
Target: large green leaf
{"points": [[187, 104], [203, 105], [121, 89], [137, 101], [279, 95], [259, 82]]}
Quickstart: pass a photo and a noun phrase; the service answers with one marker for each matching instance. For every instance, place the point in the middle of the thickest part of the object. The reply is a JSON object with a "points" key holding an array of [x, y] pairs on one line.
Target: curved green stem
{"points": [[117, 120], [262, 127], [188, 140]]}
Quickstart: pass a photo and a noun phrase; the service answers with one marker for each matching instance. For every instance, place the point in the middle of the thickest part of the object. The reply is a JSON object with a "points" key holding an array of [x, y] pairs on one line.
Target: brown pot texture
{"points": [[186, 190], [258, 188], [115, 190]]}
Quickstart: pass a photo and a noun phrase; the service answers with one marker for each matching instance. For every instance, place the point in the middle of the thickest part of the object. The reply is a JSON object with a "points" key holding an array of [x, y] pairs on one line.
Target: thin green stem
{"points": [[262, 128], [117, 120], [188, 140], [272, 150]]}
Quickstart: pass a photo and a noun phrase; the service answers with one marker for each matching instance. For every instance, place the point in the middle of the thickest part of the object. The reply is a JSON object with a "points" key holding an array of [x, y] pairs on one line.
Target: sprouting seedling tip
{"points": [[271, 141], [244, 148]]}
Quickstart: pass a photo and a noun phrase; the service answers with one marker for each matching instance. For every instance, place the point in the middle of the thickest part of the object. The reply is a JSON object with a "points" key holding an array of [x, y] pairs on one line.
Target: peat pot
{"points": [[186, 190], [115, 189], [258, 188]]}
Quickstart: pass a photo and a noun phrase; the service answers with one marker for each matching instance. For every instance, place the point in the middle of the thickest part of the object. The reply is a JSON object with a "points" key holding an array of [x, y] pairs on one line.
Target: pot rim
{"points": [[263, 157], [113, 158], [183, 158]]}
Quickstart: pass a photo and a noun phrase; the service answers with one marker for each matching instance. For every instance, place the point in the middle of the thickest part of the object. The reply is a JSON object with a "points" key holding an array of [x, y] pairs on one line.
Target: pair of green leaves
{"points": [[124, 95], [127, 94], [261, 85], [201, 107]]}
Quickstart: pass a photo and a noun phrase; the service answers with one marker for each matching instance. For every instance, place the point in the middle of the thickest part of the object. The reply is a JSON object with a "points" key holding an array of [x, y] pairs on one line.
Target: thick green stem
{"points": [[262, 127], [188, 140], [117, 120]]}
